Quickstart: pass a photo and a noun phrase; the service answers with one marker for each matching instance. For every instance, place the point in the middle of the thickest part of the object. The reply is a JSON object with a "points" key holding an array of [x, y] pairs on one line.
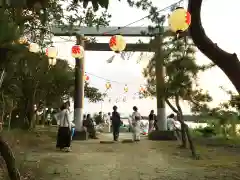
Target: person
{"points": [[64, 130], [136, 119], [116, 123], [108, 121], [89, 125], [72, 130], [151, 120], [172, 125]]}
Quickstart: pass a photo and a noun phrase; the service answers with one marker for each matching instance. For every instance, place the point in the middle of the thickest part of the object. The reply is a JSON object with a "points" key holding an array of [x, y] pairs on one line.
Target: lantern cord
{"points": [[129, 24], [108, 80], [134, 22]]}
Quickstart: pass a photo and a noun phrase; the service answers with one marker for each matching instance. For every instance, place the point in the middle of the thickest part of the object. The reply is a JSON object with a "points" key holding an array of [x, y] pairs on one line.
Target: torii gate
{"points": [[105, 32]]}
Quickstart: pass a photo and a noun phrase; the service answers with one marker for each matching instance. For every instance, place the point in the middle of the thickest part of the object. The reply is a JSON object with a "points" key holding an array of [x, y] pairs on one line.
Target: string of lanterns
{"points": [[179, 21]]}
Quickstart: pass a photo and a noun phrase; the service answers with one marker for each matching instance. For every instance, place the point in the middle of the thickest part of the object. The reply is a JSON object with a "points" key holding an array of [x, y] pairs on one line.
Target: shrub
{"points": [[207, 131]]}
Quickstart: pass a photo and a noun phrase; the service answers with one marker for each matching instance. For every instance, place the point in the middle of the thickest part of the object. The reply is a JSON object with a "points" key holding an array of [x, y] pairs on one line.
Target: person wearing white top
{"points": [[64, 130], [171, 124], [136, 119]]}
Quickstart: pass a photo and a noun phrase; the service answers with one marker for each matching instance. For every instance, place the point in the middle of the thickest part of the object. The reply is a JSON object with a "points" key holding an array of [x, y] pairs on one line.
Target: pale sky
{"points": [[218, 18]]}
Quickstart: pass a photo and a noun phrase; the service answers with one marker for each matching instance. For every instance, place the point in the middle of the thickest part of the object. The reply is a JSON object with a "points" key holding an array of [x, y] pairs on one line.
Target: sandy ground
{"points": [[145, 160]]}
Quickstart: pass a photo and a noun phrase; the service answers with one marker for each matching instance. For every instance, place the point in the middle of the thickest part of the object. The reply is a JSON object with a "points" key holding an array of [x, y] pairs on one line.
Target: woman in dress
{"points": [[64, 130], [136, 118], [151, 119]]}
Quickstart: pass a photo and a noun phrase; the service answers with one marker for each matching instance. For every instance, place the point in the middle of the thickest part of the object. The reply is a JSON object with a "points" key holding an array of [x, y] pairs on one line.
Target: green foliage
{"points": [[206, 131]]}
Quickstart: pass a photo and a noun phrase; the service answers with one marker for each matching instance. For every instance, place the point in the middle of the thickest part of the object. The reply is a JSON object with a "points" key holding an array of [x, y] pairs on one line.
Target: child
{"points": [[73, 129]]}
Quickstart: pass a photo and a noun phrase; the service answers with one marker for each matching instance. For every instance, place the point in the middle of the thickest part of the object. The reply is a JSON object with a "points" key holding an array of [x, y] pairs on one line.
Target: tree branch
{"points": [[171, 106], [227, 62]]}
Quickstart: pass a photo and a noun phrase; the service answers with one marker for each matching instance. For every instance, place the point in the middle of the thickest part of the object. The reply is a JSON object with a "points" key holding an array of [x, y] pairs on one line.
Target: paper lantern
{"points": [[52, 61], [117, 43], [51, 52], [34, 48], [77, 51], [86, 78], [179, 20], [141, 89], [125, 88], [108, 85], [22, 40]]}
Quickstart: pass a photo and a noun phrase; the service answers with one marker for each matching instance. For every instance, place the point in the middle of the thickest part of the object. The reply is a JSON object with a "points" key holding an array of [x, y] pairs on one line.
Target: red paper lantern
{"points": [[87, 78], [77, 51], [141, 89]]}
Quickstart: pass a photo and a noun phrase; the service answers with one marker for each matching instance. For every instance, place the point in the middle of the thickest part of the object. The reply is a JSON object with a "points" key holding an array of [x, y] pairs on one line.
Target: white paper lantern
{"points": [[34, 48], [52, 52], [117, 43], [77, 51], [52, 61]]}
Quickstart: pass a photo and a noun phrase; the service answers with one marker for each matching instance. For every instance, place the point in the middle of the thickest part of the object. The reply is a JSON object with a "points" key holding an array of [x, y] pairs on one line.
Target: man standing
{"points": [[116, 123]]}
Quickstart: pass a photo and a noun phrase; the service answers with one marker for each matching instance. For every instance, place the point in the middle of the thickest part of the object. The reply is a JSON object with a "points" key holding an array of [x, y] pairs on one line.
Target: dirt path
{"points": [[91, 160], [146, 160]]}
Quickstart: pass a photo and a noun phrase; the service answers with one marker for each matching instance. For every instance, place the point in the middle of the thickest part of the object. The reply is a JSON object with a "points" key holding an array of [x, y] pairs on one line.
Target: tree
{"points": [[231, 67], [180, 80]]}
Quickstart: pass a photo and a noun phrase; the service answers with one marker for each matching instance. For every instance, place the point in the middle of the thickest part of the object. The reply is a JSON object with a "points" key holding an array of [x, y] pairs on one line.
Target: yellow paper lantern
{"points": [[179, 20], [77, 51], [51, 52], [125, 88], [108, 85], [34, 48], [117, 43]]}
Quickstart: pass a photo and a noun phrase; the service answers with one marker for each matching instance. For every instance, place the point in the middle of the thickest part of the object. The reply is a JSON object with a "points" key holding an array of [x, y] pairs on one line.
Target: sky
{"points": [[220, 20]]}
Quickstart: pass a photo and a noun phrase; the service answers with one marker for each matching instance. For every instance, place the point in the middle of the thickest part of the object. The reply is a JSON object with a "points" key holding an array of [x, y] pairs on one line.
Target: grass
{"points": [[32, 151]]}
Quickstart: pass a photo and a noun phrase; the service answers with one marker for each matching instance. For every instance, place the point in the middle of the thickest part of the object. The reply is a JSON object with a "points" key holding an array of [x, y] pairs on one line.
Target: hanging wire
{"points": [[134, 22]]}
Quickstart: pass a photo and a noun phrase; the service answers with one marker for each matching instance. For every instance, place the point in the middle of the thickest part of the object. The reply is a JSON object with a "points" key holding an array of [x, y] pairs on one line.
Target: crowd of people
{"points": [[112, 120]]}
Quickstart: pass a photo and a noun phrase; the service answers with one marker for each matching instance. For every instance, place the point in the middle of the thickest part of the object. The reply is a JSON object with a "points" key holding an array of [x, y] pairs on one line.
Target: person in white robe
{"points": [[136, 118]]}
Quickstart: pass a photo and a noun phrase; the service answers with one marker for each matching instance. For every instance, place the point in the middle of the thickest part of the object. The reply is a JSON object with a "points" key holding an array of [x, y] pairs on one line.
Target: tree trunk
{"points": [[185, 131], [190, 141], [228, 63], [9, 121], [3, 107], [7, 154], [180, 119]]}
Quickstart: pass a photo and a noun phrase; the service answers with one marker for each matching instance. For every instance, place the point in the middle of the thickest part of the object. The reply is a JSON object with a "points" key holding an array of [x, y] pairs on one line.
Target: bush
{"points": [[207, 131]]}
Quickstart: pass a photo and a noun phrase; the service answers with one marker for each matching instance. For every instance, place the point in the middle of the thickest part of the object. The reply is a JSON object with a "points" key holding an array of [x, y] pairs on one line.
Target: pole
{"points": [[79, 88], [159, 69]]}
